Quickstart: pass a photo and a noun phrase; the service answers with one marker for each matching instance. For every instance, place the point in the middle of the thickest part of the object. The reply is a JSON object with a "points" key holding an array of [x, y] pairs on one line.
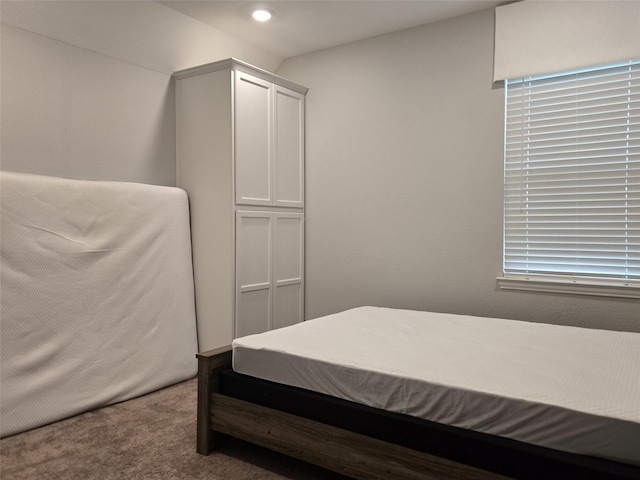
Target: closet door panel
{"points": [[289, 148], [288, 269], [254, 250], [287, 306], [253, 314], [289, 230], [252, 132]]}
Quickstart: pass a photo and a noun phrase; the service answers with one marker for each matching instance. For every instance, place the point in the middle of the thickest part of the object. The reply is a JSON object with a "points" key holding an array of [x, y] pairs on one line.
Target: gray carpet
{"points": [[151, 437]]}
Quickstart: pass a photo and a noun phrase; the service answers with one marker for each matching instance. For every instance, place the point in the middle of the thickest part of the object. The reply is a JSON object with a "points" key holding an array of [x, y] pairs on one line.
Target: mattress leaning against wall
{"points": [[96, 295]]}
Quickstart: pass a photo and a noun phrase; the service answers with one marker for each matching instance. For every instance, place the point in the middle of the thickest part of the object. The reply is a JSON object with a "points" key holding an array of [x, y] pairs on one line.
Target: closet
{"points": [[240, 157]]}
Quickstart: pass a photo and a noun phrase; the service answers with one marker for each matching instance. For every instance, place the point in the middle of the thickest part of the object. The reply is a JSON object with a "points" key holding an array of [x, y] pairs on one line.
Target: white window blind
{"points": [[572, 174]]}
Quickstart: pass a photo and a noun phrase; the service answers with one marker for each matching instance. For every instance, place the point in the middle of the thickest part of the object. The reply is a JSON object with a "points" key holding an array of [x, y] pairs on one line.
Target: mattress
{"points": [[567, 388], [97, 296]]}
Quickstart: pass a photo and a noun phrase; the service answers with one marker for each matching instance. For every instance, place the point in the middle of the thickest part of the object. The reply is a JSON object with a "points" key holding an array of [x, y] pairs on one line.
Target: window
{"points": [[572, 181]]}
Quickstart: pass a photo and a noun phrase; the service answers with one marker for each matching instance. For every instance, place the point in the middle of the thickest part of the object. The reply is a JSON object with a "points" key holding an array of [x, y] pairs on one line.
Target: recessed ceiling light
{"points": [[261, 15]]}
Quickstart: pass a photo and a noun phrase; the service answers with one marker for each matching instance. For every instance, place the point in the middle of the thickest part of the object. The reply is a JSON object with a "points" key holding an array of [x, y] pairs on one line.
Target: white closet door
{"points": [[289, 147], [253, 152], [288, 269], [254, 250]]}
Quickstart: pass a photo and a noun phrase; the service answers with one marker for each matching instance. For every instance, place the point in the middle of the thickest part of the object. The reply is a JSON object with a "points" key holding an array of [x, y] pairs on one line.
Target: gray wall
{"points": [[69, 112], [86, 88], [404, 180]]}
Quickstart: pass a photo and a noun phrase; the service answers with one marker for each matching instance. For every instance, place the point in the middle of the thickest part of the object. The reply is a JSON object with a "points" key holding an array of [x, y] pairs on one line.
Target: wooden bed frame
{"points": [[353, 454]]}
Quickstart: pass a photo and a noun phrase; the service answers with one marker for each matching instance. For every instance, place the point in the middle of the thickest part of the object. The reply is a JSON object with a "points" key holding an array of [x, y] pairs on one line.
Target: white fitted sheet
{"points": [[567, 388], [96, 295]]}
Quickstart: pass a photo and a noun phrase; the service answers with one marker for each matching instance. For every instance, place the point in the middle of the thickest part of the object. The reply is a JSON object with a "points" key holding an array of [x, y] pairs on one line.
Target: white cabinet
{"points": [[240, 157], [288, 148], [253, 135], [269, 270], [269, 143]]}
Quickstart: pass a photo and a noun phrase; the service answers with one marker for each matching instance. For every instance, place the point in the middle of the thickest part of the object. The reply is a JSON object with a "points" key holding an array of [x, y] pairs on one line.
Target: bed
{"points": [[385, 393], [97, 295]]}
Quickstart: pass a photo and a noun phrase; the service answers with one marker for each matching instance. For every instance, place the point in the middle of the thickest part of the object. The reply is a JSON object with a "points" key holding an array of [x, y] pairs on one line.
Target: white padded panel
{"points": [[533, 38], [97, 295], [568, 388]]}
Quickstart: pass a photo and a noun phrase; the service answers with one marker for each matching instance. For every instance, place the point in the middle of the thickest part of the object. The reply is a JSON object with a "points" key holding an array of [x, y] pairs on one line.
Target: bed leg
{"points": [[210, 364]]}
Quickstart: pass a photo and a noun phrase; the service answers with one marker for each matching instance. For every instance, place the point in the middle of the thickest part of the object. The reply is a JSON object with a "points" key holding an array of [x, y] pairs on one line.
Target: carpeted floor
{"points": [[151, 437]]}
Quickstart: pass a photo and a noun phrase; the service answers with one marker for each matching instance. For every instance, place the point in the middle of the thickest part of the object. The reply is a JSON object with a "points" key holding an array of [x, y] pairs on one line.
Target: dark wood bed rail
{"points": [[210, 364], [352, 454]]}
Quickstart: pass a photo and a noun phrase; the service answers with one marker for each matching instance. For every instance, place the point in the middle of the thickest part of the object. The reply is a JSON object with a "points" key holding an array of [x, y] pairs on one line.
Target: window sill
{"points": [[600, 288]]}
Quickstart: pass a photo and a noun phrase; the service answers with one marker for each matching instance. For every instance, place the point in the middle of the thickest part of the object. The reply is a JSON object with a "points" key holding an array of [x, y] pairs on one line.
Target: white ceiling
{"points": [[304, 26]]}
